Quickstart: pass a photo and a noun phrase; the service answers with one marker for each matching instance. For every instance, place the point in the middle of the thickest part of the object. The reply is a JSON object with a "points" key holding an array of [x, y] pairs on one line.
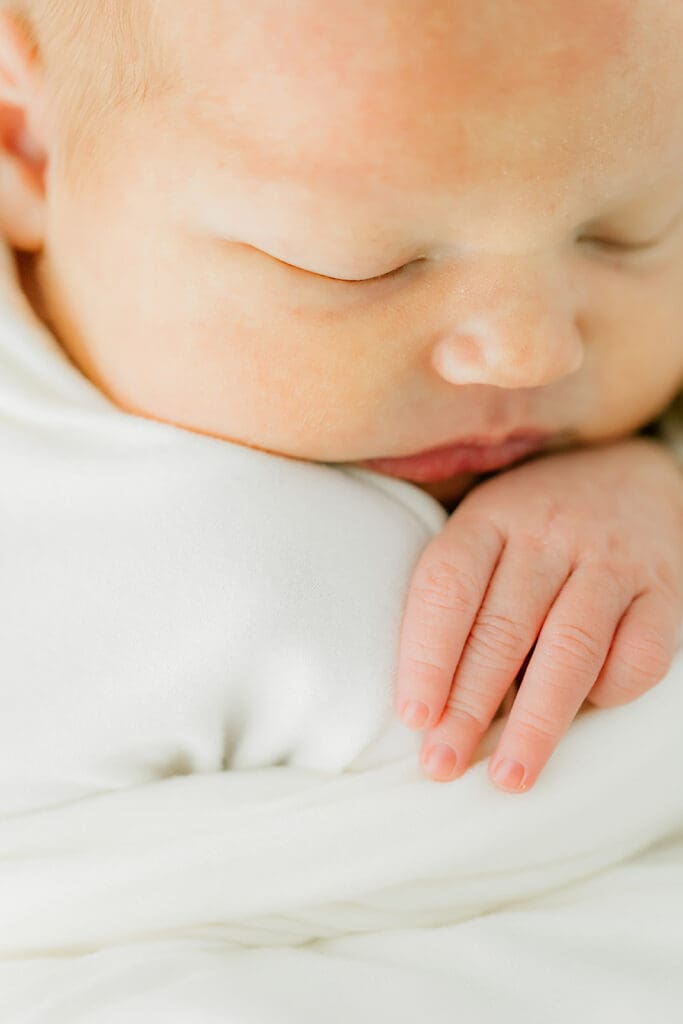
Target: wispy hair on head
{"points": [[99, 57]]}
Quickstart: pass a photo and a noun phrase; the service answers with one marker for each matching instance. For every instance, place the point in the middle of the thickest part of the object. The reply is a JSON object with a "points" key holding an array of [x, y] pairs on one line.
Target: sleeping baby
{"points": [[440, 240]]}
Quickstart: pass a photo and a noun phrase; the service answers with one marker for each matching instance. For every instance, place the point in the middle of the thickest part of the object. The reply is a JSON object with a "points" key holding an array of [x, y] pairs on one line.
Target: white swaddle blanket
{"points": [[173, 605]]}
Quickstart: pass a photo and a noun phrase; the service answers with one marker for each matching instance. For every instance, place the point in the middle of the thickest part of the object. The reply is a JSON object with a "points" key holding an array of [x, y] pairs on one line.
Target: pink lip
{"points": [[470, 456]]}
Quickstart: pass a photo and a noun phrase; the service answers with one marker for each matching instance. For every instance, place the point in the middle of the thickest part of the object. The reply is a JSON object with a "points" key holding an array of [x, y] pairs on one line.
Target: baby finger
{"points": [[642, 651], [443, 599], [569, 655], [522, 590]]}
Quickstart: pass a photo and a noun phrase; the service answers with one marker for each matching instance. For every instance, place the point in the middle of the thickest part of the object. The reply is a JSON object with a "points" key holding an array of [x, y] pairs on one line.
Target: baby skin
{"points": [[347, 232], [578, 556]]}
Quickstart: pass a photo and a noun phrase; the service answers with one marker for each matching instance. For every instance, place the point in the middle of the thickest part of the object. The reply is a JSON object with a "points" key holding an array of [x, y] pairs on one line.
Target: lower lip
{"points": [[443, 463]]}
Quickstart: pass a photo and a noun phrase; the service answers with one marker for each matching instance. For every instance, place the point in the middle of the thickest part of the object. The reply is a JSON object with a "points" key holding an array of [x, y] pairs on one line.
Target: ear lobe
{"points": [[22, 155]]}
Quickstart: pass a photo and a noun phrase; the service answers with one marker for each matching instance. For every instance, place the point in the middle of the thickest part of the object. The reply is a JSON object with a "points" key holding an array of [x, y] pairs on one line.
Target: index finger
{"points": [[446, 591], [570, 652]]}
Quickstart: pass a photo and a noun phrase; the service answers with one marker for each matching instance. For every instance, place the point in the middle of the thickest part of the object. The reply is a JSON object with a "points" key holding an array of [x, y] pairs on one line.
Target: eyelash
{"points": [[382, 277], [604, 243], [607, 243]]}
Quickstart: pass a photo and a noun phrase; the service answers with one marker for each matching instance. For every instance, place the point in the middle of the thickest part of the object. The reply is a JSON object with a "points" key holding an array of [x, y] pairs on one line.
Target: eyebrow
{"points": [[255, 164], [319, 176]]}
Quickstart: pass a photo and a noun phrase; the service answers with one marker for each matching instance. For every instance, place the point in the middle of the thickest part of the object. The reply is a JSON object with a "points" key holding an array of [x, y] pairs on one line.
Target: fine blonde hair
{"points": [[99, 57]]}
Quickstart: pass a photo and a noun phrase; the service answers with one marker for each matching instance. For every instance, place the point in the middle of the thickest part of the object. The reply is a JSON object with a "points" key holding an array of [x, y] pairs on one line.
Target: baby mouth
{"points": [[469, 457]]}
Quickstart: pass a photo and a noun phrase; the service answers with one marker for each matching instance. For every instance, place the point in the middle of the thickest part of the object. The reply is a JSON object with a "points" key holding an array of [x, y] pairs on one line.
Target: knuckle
{"points": [[539, 537], [620, 688], [557, 520], [533, 725], [616, 549], [615, 574], [496, 640], [422, 670], [442, 586], [573, 647], [646, 656], [473, 718], [668, 576]]}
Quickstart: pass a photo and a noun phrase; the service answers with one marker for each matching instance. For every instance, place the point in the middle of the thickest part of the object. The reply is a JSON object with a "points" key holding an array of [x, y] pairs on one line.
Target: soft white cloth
{"points": [[173, 602], [172, 605]]}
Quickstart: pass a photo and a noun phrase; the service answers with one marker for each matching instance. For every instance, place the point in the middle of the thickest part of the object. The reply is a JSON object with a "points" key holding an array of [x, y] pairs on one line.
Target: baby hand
{"points": [[578, 553]]}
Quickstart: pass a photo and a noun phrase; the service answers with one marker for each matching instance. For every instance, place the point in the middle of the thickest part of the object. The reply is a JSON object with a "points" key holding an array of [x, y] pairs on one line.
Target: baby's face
{"points": [[361, 230]]}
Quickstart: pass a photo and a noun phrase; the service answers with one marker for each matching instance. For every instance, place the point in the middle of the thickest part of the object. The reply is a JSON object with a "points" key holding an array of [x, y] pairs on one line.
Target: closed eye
{"points": [[380, 277], [609, 244], [617, 246], [346, 280], [366, 280]]}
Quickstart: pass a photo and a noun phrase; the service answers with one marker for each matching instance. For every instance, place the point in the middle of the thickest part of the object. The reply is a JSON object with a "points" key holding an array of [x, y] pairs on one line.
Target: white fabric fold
{"points": [[174, 602], [283, 856]]}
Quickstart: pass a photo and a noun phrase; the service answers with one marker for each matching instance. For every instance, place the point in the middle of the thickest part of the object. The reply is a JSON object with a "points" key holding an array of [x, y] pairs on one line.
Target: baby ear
{"points": [[22, 151]]}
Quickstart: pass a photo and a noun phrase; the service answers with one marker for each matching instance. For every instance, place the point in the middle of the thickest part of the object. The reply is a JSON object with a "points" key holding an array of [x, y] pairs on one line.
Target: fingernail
{"points": [[439, 761], [415, 714], [509, 774]]}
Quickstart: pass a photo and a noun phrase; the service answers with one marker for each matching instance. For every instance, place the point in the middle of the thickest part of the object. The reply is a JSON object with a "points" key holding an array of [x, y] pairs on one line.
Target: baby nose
{"points": [[523, 334], [482, 355]]}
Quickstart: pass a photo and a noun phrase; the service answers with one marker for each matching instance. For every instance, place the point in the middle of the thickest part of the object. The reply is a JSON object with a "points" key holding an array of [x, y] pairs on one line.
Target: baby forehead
{"points": [[347, 84], [478, 45], [483, 44]]}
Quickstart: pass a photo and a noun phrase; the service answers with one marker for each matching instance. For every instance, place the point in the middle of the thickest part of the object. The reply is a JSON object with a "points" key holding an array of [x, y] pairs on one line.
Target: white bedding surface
{"points": [[284, 894], [207, 810]]}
